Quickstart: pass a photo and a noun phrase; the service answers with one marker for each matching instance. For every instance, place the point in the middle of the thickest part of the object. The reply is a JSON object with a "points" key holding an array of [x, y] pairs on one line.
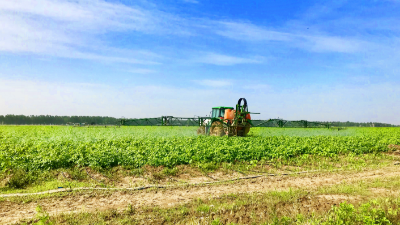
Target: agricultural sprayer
{"points": [[228, 121], [222, 121]]}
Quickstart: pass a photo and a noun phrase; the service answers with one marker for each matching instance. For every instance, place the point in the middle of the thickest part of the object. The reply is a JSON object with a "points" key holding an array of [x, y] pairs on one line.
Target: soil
{"points": [[394, 148], [90, 201]]}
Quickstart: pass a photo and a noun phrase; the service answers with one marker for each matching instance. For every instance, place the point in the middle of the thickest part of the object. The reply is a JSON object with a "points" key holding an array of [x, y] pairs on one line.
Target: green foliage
{"points": [[137, 172], [346, 214], [38, 148], [203, 208], [208, 166], [130, 210], [282, 221], [42, 216], [170, 172], [184, 211], [19, 179], [216, 222], [77, 173]]}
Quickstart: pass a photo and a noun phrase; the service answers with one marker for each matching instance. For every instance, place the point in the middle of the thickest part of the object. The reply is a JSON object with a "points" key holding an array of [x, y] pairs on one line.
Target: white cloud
{"points": [[317, 42], [333, 44], [73, 29], [94, 15], [249, 32], [225, 60]]}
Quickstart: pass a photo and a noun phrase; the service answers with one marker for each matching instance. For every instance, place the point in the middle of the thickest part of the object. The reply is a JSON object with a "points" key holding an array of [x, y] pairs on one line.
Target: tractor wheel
{"points": [[243, 130], [240, 130], [201, 130], [246, 129], [217, 129]]}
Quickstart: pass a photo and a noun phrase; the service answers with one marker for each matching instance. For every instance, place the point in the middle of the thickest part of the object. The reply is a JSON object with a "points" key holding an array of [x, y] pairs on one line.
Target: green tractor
{"points": [[228, 121]]}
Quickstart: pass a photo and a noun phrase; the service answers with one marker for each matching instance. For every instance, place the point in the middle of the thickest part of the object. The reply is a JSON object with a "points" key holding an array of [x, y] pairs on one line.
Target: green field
{"points": [[349, 165], [44, 147]]}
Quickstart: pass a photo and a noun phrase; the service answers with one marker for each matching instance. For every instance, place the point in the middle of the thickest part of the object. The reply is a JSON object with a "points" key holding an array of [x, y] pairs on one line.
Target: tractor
{"points": [[228, 121]]}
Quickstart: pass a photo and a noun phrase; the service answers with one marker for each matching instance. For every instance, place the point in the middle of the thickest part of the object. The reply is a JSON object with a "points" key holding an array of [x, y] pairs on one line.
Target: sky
{"points": [[313, 60]]}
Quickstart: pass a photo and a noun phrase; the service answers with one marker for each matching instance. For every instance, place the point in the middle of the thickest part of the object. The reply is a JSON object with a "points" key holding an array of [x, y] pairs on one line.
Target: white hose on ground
{"points": [[150, 186]]}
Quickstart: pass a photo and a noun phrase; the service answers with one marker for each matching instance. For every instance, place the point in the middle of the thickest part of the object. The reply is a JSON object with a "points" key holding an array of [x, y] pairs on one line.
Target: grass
{"points": [[344, 163], [363, 188], [296, 206], [37, 181]]}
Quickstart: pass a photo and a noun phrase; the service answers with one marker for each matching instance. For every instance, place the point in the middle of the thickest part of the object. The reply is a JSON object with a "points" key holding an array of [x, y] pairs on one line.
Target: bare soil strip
{"points": [[89, 201], [152, 186]]}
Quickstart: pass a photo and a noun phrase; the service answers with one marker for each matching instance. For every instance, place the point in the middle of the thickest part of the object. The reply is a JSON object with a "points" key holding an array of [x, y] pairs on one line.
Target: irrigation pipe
{"points": [[152, 186], [64, 175], [91, 176], [238, 171], [211, 177]]}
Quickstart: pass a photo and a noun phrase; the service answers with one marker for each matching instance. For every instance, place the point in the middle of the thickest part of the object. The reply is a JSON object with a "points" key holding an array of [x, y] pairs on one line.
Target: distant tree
{"points": [[56, 120]]}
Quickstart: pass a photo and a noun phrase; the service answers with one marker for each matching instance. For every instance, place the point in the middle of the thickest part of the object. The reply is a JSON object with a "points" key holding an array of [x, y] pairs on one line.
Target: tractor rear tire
{"points": [[217, 129], [201, 130]]}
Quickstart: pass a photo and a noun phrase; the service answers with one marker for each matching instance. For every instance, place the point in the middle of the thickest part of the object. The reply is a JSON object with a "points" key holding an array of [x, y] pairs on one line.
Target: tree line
{"points": [[355, 124], [56, 120], [102, 120]]}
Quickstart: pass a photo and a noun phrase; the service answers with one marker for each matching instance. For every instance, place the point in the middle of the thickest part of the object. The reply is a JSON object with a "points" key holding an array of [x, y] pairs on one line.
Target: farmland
{"points": [[44, 148], [40, 158]]}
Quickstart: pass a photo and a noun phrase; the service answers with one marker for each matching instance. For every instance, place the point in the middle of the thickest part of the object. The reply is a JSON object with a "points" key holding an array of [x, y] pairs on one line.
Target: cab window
{"points": [[215, 113], [221, 112]]}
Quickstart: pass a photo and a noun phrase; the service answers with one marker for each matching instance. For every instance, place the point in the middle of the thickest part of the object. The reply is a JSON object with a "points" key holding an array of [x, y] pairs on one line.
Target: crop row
{"points": [[137, 151]]}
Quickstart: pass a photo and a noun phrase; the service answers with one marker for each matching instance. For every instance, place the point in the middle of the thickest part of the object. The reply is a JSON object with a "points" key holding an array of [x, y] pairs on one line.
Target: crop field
{"points": [[42, 158], [44, 148]]}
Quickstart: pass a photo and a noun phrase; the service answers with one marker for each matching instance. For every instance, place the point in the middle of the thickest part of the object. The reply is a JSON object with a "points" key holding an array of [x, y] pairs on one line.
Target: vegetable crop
{"points": [[45, 147]]}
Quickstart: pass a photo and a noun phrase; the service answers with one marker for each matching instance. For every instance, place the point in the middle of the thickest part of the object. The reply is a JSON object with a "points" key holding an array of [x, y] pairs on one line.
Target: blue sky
{"points": [[314, 60]]}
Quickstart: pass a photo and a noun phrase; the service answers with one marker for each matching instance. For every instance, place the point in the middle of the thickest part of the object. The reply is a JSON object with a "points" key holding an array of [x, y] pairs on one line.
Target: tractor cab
{"points": [[218, 112]]}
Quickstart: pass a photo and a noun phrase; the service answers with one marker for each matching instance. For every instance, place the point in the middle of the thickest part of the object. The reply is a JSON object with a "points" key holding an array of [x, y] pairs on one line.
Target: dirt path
{"points": [[94, 200]]}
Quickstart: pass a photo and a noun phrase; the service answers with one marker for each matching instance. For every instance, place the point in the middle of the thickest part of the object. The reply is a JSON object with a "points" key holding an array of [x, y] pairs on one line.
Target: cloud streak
{"points": [[73, 29], [244, 31], [225, 60], [76, 29]]}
